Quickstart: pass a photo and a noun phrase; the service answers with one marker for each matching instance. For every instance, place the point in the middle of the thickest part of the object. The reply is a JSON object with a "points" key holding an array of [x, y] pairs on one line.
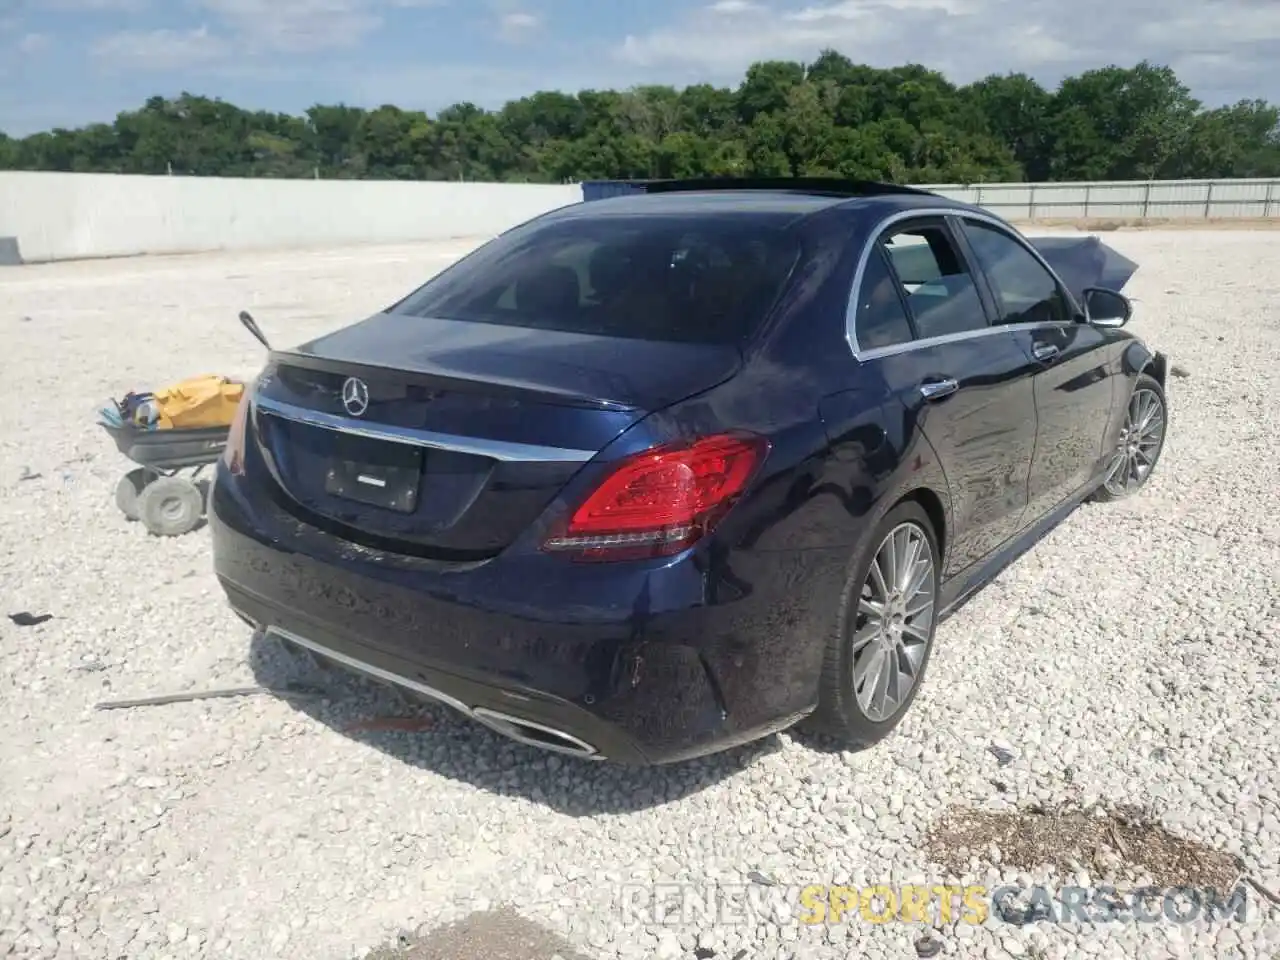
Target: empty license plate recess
{"points": [[376, 472]]}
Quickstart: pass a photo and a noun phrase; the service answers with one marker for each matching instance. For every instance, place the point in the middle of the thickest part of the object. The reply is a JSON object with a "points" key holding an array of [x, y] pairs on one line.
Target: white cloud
{"points": [[861, 10], [968, 39], [1215, 22], [1036, 45], [733, 6], [518, 25], [278, 26], [520, 21], [33, 43], [724, 41], [432, 87], [160, 49], [293, 26], [91, 6]]}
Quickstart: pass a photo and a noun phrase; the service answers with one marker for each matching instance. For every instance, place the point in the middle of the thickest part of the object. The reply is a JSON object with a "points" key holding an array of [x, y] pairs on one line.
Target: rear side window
{"points": [[881, 320], [697, 279]]}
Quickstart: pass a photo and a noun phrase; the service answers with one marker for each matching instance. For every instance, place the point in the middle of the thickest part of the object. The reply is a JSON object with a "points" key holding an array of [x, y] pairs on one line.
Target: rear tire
{"points": [[170, 506], [887, 616]]}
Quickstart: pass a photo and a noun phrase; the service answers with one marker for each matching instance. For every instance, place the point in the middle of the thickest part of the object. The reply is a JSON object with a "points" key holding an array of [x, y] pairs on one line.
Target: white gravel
{"points": [[1130, 657]]}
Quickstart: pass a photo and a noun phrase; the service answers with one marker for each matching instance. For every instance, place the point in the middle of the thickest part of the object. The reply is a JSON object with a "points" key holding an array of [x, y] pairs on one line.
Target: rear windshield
{"points": [[696, 279]]}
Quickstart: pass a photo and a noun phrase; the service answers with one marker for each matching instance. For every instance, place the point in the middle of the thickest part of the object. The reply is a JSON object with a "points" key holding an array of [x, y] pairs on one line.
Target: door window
{"points": [[1027, 292], [933, 286], [942, 298]]}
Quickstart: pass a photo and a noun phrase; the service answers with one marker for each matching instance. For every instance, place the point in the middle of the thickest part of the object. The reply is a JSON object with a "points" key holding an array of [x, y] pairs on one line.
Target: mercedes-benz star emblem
{"points": [[355, 396]]}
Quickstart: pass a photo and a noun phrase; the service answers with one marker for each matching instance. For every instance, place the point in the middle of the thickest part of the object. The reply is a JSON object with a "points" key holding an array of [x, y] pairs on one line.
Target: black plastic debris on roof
{"points": [[825, 186], [1084, 262]]}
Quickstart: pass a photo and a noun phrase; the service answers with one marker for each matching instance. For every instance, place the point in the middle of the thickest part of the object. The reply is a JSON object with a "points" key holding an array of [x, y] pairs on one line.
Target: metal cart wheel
{"points": [[129, 489], [170, 506]]}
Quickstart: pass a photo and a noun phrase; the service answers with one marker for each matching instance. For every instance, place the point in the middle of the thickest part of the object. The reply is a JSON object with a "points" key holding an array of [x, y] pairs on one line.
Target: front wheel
{"points": [[875, 662], [1141, 442]]}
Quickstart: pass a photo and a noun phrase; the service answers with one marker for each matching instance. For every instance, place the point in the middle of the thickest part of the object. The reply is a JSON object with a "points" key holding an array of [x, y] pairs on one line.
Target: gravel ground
{"points": [[1129, 659]]}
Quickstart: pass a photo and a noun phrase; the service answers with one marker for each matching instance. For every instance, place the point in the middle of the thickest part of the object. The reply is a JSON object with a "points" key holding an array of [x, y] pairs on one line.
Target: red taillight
{"points": [[659, 502], [233, 455]]}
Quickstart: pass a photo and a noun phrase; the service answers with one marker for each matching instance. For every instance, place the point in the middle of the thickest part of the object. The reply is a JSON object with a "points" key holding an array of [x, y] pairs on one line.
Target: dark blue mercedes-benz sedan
{"points": [[648, 477]]}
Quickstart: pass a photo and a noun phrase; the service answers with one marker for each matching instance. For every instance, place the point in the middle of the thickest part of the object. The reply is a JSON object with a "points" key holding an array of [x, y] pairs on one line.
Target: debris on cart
{"points": [[197, 403], [181, 428]]}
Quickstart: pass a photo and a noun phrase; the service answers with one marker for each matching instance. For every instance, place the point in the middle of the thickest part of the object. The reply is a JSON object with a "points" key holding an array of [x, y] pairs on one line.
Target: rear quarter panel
{"points": [[780, 561], [775, 565], [877, 456], [842, 452]]}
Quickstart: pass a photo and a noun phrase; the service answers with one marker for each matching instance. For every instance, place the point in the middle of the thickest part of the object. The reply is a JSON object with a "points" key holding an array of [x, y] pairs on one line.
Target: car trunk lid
{"points": [[457, 444]]}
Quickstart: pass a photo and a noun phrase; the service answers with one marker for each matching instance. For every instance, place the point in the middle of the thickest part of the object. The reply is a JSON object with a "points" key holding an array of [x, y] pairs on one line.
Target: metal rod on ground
{"points": [[199, 695]]}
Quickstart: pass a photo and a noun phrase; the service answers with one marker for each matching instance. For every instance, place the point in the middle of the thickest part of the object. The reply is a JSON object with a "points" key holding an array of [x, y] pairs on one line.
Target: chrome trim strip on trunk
{"points": [[501, 723], [493, 449]]}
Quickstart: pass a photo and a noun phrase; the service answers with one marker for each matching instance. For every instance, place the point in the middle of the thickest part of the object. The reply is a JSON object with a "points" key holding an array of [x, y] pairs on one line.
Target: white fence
{"points": [[66, 216], [1123, 200], [63, 216]]}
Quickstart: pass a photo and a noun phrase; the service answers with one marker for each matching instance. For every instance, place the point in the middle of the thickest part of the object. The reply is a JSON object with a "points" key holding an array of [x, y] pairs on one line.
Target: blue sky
{"points": [[68, 62]]}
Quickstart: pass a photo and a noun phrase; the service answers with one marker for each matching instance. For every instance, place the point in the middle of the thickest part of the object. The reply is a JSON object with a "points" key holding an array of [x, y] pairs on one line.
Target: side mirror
{"points": [[1106, 308]]}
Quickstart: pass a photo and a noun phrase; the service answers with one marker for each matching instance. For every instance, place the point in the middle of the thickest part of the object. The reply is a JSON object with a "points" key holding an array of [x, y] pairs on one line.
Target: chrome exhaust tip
{"points": [[527, 732], [534, 734]]}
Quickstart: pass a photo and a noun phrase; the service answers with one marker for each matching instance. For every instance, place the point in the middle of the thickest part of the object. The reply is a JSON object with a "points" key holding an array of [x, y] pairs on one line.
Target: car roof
{"points": [[801, 204]]}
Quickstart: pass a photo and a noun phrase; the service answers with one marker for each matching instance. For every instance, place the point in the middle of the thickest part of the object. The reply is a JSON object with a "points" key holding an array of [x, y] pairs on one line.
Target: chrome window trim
{"points": [[924, 213], [493, 449], [898, 348]]}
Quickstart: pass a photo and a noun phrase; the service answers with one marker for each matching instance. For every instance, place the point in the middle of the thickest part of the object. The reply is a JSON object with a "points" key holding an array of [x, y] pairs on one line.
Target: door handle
{"points": [[1044, 352], [937, 389]]}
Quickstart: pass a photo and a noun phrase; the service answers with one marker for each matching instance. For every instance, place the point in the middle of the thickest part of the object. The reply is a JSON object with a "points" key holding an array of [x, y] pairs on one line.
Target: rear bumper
{"points": [[607, 679], [537, 721]]}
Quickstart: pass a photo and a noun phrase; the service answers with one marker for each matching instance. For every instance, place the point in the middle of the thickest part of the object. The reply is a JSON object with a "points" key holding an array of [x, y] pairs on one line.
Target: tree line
{"points": [[831, 117]]}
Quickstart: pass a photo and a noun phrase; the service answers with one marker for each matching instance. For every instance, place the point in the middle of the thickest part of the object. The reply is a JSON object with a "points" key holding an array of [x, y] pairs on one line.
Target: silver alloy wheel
{"points": [[1140, 442], [892, 629]]}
